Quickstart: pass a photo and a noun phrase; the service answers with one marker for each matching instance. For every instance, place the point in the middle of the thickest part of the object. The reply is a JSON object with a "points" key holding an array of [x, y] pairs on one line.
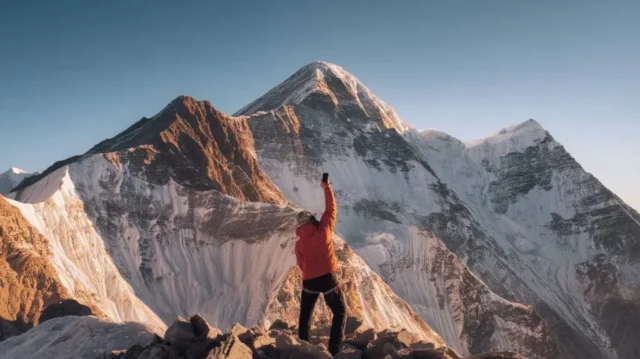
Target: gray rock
{"points": [[64, 308], [180, 331], [202, 328]]}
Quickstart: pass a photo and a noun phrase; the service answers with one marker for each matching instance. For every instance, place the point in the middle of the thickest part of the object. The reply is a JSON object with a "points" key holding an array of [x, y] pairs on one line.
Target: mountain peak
{"points": [[322, 84], [523, 135], [318, 77], [16, 170]]}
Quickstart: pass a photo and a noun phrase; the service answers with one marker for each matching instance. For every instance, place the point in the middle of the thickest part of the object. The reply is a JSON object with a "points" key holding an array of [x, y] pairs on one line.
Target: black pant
{"points": [[334, 300]]}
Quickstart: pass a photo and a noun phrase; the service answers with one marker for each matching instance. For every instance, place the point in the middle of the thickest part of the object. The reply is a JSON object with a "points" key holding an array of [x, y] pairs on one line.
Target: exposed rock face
{"points": [[28, 281], [191, 143]]}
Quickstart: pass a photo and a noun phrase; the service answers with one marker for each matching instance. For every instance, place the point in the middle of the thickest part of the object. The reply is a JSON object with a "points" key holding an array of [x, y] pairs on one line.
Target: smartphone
{"points": [[325, 177]]}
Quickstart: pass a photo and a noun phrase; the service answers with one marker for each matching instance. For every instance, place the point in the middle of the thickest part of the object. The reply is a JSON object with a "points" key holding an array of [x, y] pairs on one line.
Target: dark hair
{"points": [[314, 221]]}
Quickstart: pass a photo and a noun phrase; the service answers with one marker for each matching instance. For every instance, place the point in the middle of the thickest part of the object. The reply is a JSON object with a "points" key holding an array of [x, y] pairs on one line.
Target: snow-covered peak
{"points": [[435, 135], [509, 140], [16, 170], [335, 86], [11, 178], [524, 134], [308, 79]]}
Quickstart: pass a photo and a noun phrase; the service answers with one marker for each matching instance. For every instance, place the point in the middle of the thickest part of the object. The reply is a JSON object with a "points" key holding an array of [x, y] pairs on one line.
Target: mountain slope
{"points": [[28, 282], [392, 204], [155, 223], [515, 208]]}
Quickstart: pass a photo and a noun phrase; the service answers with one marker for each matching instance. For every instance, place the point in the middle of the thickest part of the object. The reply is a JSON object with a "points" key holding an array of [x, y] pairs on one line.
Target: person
{"points": [[317, 260]]}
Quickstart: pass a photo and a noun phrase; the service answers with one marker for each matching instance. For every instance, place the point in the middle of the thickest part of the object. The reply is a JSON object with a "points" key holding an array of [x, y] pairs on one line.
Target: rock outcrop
{"points": [[184, 339]]}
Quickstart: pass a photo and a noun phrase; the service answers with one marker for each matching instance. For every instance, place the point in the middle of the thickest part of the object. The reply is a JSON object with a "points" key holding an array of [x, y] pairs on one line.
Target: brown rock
{"points": [[305, 350], [237, 330], [406, 338], [361, 340], [263, 341], [285, 342], [353, 324], [349, 352], [452, 354], [231, 348]]}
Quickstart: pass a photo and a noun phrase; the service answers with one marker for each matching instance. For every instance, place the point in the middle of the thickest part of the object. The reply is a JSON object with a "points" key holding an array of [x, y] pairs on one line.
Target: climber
{"points": [[317, 260]]}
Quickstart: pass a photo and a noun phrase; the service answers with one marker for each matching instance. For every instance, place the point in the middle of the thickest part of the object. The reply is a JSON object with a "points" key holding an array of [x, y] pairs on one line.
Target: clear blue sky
{"points": [[74, 73]]}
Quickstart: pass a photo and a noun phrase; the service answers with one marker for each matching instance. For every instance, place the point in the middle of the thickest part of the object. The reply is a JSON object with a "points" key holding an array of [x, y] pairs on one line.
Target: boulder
{"points": [[181, 330], [64, 308], [262, 341], [406, 338], [286, 341], [237, 330], [452, 354], [429, 354], [305, 350], [230, 348], [353, 324], [349, 352], [279, 325], [362, 339], [202, 329]]}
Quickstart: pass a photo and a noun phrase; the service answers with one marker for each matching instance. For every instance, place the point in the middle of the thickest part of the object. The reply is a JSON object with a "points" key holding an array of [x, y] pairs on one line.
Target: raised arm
{"points": [[329, 216]]}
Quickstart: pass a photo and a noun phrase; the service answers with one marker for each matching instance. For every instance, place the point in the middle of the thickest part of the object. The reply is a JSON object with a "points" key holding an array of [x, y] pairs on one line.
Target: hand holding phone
{"points": [[325, 180]]}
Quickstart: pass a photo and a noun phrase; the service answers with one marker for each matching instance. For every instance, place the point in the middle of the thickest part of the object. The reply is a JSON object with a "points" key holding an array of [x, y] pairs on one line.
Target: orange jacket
{"points": [[314, 248]]}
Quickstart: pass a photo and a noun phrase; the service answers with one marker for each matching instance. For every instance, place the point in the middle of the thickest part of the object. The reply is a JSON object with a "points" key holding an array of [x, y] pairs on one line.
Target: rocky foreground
{"points": [[196, 339]]}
